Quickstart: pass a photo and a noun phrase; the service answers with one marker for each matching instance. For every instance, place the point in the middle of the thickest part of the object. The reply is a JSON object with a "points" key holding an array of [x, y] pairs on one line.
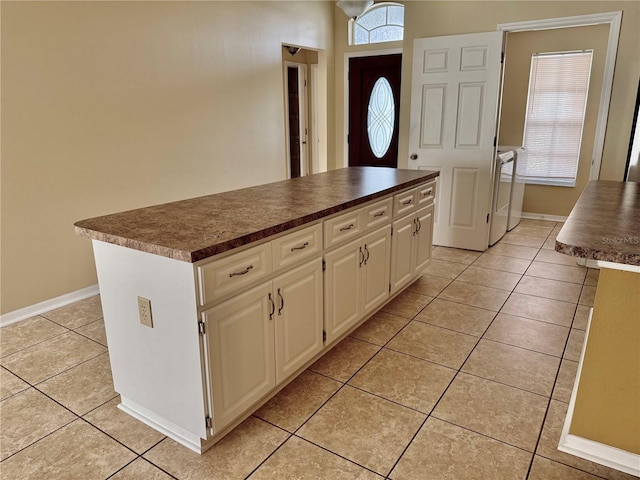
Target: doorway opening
{"points": [[305, 114], [297, 119]]}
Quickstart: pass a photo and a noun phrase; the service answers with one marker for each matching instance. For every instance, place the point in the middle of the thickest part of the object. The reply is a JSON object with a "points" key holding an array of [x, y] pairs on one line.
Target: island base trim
{"points": [[146, 416], [596, 452]]}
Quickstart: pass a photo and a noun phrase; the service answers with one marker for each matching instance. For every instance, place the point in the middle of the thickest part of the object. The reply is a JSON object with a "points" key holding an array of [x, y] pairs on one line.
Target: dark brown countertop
{"points": [[604, 224], [197, 228]]}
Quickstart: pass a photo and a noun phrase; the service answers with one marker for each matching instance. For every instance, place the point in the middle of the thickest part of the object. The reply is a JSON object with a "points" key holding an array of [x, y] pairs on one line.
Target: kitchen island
{"points": [[603, 420], [213, 304]]}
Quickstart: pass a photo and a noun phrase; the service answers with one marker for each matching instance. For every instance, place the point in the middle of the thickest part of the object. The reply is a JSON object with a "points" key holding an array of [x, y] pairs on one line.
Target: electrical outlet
{"points": [[144, 311]]}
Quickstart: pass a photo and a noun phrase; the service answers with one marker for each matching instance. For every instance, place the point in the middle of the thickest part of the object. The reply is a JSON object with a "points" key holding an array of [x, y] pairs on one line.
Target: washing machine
{"points": [[502, 190], [517, 187]]}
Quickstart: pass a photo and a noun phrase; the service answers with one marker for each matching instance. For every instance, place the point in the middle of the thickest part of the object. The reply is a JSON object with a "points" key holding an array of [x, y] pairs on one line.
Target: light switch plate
{"points": [[144, 311]]}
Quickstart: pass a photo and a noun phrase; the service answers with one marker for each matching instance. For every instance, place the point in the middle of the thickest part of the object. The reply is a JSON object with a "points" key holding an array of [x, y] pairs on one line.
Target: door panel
{"points": [[402, 252], [241, 350], [425, 238], [364, 74], [342, 289], [298, 317], [377, 246], [454, 107]]}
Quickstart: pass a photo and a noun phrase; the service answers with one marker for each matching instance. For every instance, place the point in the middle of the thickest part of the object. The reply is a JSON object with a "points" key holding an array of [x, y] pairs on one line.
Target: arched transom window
{"points": [[383, 22]]}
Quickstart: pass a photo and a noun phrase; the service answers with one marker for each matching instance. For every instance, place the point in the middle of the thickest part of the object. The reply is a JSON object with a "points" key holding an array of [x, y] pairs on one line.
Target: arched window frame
{"points": [[374, 10]]}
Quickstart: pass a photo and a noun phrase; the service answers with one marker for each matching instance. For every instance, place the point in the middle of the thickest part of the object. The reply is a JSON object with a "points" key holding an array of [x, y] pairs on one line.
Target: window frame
{"points": [[558, 121], [376, 6]]}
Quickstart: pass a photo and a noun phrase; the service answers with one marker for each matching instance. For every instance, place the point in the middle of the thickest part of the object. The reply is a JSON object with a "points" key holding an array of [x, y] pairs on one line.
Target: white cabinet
{"points": [[356, 280], [258, 338], [298, 317], [240, 345], [411, 246], [231, 330]]}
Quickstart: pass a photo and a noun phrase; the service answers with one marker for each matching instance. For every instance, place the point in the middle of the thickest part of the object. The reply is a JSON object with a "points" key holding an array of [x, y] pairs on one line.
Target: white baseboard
{"points": [[51, 304], [600, 453], [544, 216]]}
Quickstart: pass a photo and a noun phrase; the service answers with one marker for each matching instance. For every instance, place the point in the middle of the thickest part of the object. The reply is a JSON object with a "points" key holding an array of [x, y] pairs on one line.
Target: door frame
{"points": [[614, 20], [347, 56], [303, 113]]}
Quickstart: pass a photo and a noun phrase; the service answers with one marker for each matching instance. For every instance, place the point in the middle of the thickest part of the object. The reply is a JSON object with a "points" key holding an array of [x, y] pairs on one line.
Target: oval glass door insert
{"points": [[381, 117]]}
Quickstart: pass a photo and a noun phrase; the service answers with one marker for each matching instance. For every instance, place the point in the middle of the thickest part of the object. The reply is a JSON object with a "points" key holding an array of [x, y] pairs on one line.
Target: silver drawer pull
{"points": [[380, 214], [246, 270], [427, 192], [348, 227], [301, 247], [408, 202]]}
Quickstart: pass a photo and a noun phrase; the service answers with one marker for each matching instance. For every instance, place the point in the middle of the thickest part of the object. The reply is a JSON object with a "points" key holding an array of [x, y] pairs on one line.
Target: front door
{"points": [[454, 108], [374, 101]]}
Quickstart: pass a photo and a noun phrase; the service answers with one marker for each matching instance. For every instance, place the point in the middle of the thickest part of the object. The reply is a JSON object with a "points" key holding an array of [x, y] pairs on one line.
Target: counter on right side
{"points": [[603, 420]]}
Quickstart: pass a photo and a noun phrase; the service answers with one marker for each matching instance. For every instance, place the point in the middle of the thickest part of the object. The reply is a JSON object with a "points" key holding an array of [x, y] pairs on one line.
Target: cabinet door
{"points": [[298, 317], [240, 338], [424, 238], [402, 252], [342, 287], [375, 282]]}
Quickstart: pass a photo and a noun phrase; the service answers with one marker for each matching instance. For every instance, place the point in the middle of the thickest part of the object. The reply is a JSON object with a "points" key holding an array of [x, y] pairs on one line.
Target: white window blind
{"points": [[558, 87]]}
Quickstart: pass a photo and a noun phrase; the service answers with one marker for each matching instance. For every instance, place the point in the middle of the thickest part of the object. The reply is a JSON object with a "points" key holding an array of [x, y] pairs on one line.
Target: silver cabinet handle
{"points": [[413, 156], [415, 227], [380, 214], [361, 257], [243, 272], [408, 202], [419, 225], [281, 303], [348, 227], [301, 247], [273, 307], [368, 254]]}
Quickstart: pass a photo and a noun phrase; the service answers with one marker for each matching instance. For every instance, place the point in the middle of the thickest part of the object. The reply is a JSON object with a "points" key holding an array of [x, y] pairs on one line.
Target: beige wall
{"points": [[520, 47], [429, 19], [108, 106], [608, 396]]}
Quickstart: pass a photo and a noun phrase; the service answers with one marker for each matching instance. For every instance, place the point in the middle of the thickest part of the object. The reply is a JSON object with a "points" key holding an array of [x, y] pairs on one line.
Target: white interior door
{"points": [[454, 108]]}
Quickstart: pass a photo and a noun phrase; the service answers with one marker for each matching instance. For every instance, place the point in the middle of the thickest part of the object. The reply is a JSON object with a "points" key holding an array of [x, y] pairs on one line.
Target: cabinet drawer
{"points": [[426, 194], [404, 202], [297, 246], [378, 213], [223, 276], [344, 227]]}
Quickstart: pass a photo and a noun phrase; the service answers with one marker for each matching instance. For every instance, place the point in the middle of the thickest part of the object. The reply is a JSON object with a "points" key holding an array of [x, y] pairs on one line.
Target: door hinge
{"points": [[392, 230], [324, 336], [501, 57], [487, 218], [324, 265], [208, 422], [389, 288], [347, 138], [495, 141], [201, 327]]}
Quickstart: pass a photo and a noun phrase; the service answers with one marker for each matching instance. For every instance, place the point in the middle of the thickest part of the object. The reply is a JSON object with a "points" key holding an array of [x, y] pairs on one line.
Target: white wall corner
{"points": [[47, 305]]}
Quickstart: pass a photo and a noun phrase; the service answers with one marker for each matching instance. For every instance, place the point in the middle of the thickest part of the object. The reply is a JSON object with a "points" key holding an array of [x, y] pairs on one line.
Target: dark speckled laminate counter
{"points": [[604, 224], [197, 228]]}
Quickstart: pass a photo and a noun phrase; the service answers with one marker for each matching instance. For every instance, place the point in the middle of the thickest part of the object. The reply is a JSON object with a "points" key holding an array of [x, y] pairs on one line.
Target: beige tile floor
{"points": [[466, 375]]}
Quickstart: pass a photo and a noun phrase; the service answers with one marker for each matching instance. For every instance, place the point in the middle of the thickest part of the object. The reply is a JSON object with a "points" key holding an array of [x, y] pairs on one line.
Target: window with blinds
{"points": [[556, 105]]}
